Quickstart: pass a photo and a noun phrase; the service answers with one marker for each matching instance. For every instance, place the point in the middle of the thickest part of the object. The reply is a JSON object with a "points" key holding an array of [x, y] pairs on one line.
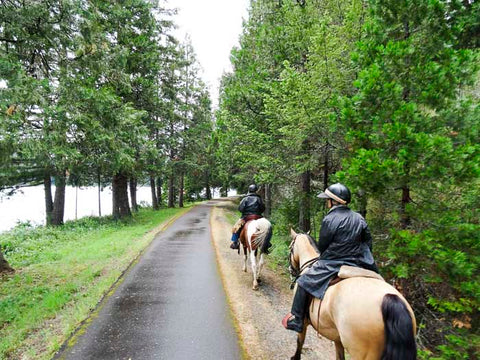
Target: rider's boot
{"points": [[235, 243], [295, 320]]}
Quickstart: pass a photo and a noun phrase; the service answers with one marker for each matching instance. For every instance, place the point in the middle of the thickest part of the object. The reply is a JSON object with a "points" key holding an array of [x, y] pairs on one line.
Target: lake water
{"points": [[29, 204]]}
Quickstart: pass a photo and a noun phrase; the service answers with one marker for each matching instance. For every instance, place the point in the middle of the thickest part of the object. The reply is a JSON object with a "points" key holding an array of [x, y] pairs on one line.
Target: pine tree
{"points": [[414, 149], [36, 40]]}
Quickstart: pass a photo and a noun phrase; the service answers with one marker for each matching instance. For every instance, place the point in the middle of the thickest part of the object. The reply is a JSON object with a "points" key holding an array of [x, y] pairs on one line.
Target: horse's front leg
{"points": [[300, 341], [254, 269], [339, 351]]}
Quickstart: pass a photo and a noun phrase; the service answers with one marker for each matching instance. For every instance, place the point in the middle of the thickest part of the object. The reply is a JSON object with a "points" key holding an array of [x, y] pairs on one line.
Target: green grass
{"points": [[61, 274]]}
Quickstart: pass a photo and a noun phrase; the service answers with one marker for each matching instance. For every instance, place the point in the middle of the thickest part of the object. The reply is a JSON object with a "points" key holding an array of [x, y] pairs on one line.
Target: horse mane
{"points": [[312, 241]]}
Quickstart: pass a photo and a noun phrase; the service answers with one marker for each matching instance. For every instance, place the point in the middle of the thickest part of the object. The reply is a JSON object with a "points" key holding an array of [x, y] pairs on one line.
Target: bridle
{"points": [[294, 269]]}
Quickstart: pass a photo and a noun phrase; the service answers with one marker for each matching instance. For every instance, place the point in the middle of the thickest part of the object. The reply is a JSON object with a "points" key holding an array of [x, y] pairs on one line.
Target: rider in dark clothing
{"points": [[251, 206], [344, 240]]}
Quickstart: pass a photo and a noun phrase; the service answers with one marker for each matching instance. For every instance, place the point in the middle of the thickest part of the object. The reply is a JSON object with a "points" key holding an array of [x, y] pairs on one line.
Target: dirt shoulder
{"points": [[258, 314]]}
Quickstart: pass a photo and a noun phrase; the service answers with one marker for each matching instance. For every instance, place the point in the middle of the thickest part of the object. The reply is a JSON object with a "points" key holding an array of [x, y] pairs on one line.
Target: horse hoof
{"points": [[259, 280]]}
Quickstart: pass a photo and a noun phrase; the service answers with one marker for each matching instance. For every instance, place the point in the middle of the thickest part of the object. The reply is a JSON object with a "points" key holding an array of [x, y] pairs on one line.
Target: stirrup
{"points": [[290, 322]]}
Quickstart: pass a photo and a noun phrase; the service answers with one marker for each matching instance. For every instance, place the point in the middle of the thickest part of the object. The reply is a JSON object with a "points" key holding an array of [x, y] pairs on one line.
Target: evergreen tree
{"points": [[36, 41], [278, 109], [411, 136]]}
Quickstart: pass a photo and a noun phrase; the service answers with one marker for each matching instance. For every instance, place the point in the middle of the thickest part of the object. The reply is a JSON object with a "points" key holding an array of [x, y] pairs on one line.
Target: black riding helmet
{"points": [[337, 192], [252, 188]]}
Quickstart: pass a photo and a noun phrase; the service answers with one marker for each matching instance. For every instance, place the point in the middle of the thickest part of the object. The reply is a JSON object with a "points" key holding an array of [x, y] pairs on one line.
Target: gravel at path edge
{"points": [[258, 314]]}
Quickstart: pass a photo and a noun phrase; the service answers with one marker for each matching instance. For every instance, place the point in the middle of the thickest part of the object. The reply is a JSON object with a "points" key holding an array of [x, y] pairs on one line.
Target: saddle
{"points": [[243, 233], [347, 271], [242, 221]]}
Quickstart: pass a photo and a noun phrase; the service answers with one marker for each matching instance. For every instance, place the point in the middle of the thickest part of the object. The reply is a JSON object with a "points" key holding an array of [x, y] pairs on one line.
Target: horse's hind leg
{"points": [[300, 341], [254, 270], [245, 259], [339, 351], [260, 266]]}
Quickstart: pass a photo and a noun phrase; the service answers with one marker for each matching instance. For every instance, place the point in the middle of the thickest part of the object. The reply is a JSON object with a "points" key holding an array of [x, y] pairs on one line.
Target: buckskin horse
{"points": [[361, 313], [254, 237]]}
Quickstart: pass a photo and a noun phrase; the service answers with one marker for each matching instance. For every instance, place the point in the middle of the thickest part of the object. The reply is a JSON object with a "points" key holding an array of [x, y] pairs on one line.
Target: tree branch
{"points": [[11, 41]]}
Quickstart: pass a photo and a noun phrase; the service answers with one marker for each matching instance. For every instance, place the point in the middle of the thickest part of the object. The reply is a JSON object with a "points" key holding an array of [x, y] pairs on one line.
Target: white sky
{"points": [[214, 27]]}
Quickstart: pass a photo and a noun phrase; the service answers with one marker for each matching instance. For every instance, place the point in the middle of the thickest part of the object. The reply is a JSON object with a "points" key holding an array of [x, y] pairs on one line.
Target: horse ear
{"points": [[293, 234], [308, 232]]}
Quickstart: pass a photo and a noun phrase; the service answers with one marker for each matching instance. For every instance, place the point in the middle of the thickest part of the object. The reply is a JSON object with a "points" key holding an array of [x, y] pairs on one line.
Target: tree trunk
{"points": [[171, 192], [304, 206], [99, 199], [59, 202], [268, 200], [47, 183], [362, 200], [326, 167], [120, 206], [224, 191], [4, 266], [154, 194], [76, 202], [159, 192], [133, 194], [405, 219], [208, 190], [181, 190]]}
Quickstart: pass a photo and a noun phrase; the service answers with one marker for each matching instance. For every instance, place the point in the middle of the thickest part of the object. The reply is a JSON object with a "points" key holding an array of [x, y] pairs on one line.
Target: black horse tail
{"points": [[399, 334]]}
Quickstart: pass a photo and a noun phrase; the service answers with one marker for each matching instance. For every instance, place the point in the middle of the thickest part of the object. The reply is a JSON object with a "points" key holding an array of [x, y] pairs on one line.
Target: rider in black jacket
{"points": [[344, 240], [251, 205]]}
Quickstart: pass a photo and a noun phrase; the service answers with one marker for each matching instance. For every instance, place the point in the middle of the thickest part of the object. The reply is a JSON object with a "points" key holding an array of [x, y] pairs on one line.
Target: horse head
{"points": [[303, 253]]}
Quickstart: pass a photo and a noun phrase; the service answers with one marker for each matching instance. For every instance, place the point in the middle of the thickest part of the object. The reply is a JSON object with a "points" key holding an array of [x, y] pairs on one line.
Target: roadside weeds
{"points": [[64, 273]]}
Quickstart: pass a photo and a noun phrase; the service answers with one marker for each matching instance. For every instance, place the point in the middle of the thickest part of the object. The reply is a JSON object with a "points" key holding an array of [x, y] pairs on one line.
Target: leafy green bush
{"points": [[444, 262]]}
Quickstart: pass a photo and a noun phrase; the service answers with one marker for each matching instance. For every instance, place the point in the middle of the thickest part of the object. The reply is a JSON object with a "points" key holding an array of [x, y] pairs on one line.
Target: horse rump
{"points": [[399, 333], [262, 235]]}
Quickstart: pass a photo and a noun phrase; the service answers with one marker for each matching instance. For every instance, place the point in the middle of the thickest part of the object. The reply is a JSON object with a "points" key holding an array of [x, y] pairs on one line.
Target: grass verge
{"points": [[61, 275]]}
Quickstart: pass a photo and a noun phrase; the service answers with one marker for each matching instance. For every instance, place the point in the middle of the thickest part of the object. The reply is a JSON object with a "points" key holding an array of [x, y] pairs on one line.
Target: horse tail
{"points": [[399, 330], [263, 234]]}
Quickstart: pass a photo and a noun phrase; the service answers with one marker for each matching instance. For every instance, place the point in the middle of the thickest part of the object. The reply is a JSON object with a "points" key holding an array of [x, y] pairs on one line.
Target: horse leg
{"points": [[339, 351], [300, 341], [254, 270], [245, 259], [260, 265]]}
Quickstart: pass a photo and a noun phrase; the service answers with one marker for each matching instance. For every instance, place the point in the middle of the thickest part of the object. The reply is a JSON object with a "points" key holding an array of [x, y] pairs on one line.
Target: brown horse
{"points": [[253, 236], [365, 316]]}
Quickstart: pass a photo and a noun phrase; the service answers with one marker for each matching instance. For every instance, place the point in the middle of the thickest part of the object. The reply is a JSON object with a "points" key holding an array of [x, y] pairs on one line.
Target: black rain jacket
{"points": [[344, 240], [252, 204]]}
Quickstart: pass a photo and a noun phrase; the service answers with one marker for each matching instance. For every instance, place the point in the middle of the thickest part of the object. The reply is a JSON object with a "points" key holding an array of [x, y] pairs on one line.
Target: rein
{"points": [[295, 273]]}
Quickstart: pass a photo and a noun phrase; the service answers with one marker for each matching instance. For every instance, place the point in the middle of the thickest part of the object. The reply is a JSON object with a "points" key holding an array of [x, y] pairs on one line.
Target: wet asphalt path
{"points": [[171, 304]]}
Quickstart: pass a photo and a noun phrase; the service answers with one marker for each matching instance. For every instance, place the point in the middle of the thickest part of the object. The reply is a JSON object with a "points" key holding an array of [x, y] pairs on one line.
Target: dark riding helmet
{"points": [[337, 192], [252, 188]]}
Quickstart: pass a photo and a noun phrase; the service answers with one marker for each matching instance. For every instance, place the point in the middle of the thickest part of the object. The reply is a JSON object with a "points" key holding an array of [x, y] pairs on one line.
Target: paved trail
{"points": [[170, 305]]}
